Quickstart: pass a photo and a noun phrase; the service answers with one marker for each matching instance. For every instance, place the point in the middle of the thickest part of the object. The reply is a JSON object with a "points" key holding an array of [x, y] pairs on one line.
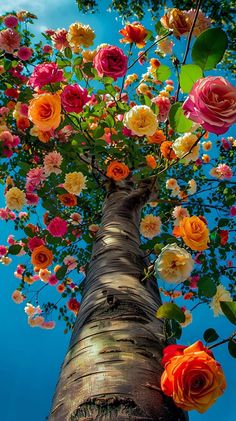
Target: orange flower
{"points": [[158, 137], [167, 151], [176, 20], [42, 257], [194, 232], [134, 33], [151, 162], [68, 199], [45, 111], [117, 171], [73, 305], [192, 377], [155, 63], [61, 288]]}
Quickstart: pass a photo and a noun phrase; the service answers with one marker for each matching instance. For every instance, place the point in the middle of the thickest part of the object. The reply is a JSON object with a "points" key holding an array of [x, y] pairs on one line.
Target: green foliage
{"points": [[178, 121], [229, 309], [189, 74], [210, 335], [209, 48], [170, 311]]}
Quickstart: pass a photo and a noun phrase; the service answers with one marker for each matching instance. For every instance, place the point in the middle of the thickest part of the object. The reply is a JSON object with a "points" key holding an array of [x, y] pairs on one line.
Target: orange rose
{"points": [[68, 199], [167, 151], [42, 257], [158, 137], [192, 377], [134, 33], [117, 171], [176, 20], [151, 162], [45, 111], [194, 232]]}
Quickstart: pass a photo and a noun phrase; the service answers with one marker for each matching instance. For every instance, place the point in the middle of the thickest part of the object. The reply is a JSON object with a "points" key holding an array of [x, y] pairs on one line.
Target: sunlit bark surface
{"points": [[112, 369]]}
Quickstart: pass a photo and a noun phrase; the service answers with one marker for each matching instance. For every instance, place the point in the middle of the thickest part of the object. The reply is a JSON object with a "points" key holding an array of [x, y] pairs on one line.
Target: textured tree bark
{"points": [[113, 367]]}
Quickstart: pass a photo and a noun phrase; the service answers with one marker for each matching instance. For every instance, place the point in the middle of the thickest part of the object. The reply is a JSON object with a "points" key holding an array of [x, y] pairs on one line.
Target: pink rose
{"points": [[57, 227], [164, 105], [35, 242], [111, 61], [44, 74], [212, 103], [73, 98], [9, 40]]}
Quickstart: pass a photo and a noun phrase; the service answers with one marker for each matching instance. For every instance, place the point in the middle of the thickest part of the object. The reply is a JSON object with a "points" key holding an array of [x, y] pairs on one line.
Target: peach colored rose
{"points": [[45, 111], [194, 232], [192, 377], [176, 20], [212, 103]]}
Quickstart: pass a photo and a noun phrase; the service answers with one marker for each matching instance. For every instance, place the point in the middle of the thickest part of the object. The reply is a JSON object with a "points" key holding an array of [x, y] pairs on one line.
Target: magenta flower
{"points": [[57, 227], [24, 53], [111, 61], [44, 74], [10, 21], [212, 103], [73, 98]]}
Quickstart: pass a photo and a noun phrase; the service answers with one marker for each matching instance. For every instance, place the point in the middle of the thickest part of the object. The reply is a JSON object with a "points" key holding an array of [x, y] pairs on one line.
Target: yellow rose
{"points": [[174, 264], [182, 146], [141, 120], [150, 226], [45, 111], [75, 182], [15, 199], [194, 232], [80, 35]]}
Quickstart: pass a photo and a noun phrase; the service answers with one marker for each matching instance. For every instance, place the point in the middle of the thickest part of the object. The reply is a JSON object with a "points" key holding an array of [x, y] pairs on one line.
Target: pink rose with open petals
{"points": [[57, 227], [73, 98], [44, 74], [212, 103], [111, 61]]}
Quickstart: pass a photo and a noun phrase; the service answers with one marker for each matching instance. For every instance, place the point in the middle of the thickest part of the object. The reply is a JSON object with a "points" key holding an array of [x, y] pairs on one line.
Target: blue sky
{"points": [[31, 358]]}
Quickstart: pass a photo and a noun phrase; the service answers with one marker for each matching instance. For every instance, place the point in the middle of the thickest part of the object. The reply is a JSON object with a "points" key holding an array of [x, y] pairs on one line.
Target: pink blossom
{"points": [[11, 240], [52, 280], [222, 171], [65, 133], [70, 262], [111, 61], [212, 103], [225, 144], [50, 32], [57, 227], [3, 251], [35, 242], [24, 53], [9, 40], [230, 263], [31, 198], [164, 105], [141, 57], [3, 214], [47, 49], [10, 21], [48, 325], [233, 211], [52, 163], [34, 178], [4, 111], [45, 74], [73, 98], [59, 39], [194, 281], [196, 258], [20, 269]]}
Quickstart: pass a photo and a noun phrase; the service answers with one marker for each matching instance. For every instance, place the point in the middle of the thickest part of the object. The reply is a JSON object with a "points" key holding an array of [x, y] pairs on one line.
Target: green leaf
{"points": [[206, 287], [209, 48], [170, 311], [14, 249], [178, 121], [210, 335], [223, 222], [28, 231], [189, 74], [232, 348], [229, 310], [98, 132], [78, 73], [60, 273], [68, 52], [163, 72]]}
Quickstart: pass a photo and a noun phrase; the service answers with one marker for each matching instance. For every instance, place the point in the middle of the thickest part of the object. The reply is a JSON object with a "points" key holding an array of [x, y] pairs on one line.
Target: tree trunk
{"points": [[113, 367]]}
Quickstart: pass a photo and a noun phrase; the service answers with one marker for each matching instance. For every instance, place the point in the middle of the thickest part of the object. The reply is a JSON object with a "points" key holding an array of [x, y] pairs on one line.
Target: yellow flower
{"points": [[174, 264], [150, 226], [80, 35], [221, 295], [192, 187], [75, 182], [182, 145], [141, 120], [15, 199]]}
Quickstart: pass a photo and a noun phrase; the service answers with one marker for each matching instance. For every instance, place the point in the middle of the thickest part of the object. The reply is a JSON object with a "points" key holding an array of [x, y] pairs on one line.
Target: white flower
{"points": [[221, 295], [174, 264], [192, 187]]}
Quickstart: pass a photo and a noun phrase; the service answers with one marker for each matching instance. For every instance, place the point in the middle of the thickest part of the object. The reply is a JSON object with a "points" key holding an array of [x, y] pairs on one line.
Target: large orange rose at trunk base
{"points": [[192, 377]]}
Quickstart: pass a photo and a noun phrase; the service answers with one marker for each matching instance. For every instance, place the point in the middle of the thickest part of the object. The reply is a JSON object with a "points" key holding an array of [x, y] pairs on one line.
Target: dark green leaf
{"points": [[210, 335], [206, 287], [14, 249], [232, 348], [209, 48], [68, 52], [60, 273], [229, 310]]}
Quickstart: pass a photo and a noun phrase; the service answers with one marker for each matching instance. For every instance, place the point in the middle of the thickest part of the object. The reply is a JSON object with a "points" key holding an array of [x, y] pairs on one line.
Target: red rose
{"points": [[111, 61], [73, 98]]}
